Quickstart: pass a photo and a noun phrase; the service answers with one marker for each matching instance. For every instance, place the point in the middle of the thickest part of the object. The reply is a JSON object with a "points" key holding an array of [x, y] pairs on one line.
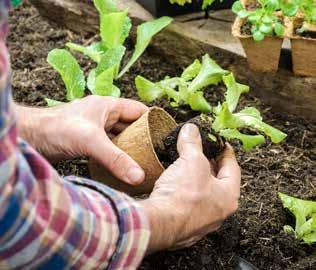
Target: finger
{"points": [[228, 168], [115, 160], [189, 141], [129, 110]]}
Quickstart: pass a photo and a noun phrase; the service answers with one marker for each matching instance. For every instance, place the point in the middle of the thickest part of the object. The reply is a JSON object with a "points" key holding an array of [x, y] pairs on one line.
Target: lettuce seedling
{"points": [[304, 212], [115, 26], [186, 89], [263, 20], [206, 3], [222, 119]]}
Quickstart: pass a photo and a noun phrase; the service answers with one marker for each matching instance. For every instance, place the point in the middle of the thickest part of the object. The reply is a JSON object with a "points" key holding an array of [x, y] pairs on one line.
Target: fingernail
{"points": [[135, 175], [190, 130]]}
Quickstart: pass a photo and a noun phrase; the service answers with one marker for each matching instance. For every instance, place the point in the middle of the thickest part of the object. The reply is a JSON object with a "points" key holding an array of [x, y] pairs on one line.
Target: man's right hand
{"points": [[193, 196]]}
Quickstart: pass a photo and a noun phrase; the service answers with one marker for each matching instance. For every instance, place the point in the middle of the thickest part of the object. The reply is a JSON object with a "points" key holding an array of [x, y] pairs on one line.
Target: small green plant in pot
{"points": [[302, 32], [106, 55], [260, 31]]}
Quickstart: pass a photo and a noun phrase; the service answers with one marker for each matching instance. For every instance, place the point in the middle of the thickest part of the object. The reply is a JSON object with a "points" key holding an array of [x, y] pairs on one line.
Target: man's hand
{"points": [[194, 196], [84, 128]]}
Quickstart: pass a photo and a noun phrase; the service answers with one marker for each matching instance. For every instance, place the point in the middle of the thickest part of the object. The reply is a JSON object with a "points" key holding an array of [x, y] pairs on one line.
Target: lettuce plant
{"points": [[223, 120], [115, 26], [206, 3], [186, 89], [304, 212], [263, 20]]}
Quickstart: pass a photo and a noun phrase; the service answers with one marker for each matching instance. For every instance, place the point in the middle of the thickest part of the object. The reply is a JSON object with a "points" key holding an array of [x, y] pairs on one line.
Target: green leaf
{"points": [[104, 84], [207, 3], [111, 58], [249, 117], [234, 90], [197, 102], [258, 36], [237, 7], [113, 27], [94, 51], [210, 74], [248, 141], [105, 6], [279, 29], [265, 28], [290, 9], [70, 71], [147, 90], [145, 32], [53, 103], [192, 71], [266, 19], [243, 13], [180, 2]]}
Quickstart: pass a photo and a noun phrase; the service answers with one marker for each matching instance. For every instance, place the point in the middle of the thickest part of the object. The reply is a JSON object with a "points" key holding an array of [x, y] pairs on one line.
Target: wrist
{"points": [[33, 125], [162, 225]]}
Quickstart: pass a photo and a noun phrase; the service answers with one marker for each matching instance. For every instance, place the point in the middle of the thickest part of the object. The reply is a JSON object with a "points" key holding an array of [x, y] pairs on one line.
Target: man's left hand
{"points": [[84, 128]]}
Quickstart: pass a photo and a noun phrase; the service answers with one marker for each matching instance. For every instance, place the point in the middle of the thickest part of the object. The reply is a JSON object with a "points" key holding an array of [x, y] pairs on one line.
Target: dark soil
{"points": [[169, 154], [246, 29], [255, 232]]}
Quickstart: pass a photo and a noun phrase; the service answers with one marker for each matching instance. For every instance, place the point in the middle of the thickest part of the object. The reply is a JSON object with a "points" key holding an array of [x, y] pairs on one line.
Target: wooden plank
{"points": [[192, 36]]}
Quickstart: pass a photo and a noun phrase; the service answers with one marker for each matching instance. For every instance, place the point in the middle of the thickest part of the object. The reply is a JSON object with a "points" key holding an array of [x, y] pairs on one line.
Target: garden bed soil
{"points": [[255, 232]]}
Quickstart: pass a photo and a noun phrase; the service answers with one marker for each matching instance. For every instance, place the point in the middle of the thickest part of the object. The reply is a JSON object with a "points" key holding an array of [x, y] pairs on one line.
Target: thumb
{"points": [[116, 161], [189, 141]]}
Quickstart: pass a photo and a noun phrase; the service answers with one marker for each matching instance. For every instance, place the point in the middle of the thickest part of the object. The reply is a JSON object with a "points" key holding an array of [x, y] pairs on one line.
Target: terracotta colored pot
{"points": [[139, 140], [303, 50], [263, 56]]}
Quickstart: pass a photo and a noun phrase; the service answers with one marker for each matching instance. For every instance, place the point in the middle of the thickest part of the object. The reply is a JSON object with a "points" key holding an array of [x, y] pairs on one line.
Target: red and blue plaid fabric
{"points": [[47, 222]]}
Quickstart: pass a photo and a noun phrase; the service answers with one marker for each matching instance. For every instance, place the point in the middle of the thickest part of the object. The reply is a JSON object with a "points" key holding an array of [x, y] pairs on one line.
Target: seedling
{"points": [[221, 121], [115, 27], [263, 21], [206, 3], [304, 212], [186, 89]]}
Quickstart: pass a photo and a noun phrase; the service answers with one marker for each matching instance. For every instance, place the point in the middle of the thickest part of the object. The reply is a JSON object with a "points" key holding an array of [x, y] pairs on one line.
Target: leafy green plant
{"points": [[188, 90], [304, 212], [263, 20], [115, 26], [206, 3]]}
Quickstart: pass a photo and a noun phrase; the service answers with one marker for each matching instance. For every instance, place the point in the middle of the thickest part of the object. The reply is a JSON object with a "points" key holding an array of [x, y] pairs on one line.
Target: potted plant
{"points": [[302, 32], [152, 140], [260, 29], [179, 7]]}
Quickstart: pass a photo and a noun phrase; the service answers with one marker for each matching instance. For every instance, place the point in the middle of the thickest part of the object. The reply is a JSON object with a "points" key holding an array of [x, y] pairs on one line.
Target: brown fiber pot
{"points": [[303, 50], [139, 141], [263, 56]]}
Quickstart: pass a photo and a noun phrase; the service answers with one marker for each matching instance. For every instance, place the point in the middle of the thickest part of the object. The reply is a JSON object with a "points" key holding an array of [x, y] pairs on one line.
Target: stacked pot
{"points": [[264, 56]]}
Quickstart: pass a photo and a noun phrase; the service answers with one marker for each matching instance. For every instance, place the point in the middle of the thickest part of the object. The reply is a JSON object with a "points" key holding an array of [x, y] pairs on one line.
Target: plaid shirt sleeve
{"points": [[47, 222]]}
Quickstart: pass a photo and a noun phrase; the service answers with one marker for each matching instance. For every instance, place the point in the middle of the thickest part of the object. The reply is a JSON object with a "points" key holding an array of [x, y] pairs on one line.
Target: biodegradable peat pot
{"points": [[139, 141], [263, 56], [303, 50]]}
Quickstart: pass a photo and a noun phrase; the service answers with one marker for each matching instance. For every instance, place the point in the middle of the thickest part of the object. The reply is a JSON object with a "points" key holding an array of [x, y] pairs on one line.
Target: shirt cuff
{"points": [[132, 222]]}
